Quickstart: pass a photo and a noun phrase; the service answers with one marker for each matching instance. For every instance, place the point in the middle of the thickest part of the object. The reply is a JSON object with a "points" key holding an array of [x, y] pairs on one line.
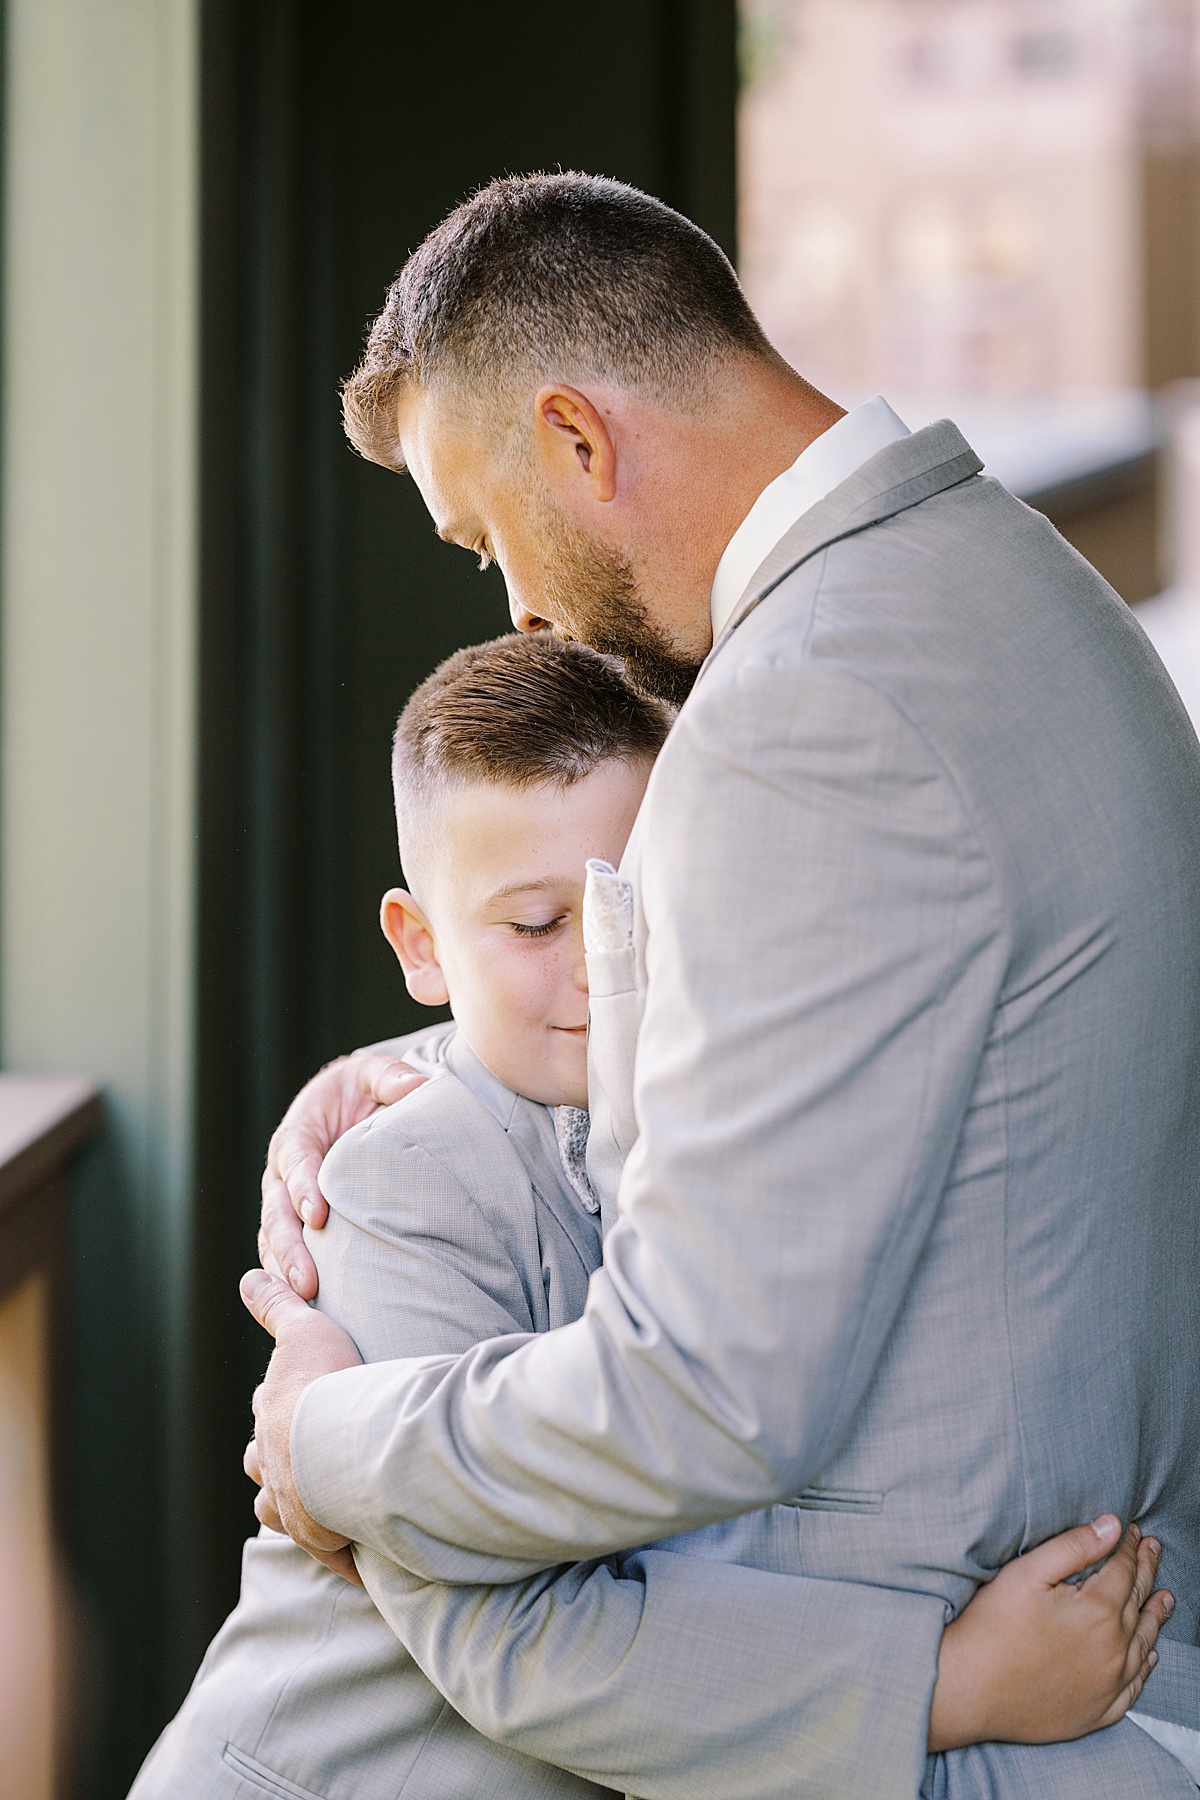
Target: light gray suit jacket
{"points": [[452, 1221], [910, 1225]]}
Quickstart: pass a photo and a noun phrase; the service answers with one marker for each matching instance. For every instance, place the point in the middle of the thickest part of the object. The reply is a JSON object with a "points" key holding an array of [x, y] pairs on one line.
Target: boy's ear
{"points": [[410, 934]]}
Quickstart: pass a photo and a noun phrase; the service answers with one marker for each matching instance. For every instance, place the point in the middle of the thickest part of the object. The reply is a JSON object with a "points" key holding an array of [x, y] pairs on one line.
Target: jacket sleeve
{"points": [[824, 951], [669, 1676], [644, 1672]]}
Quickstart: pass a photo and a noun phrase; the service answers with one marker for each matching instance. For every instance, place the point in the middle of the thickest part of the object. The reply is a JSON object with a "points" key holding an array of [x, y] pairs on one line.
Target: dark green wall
{"points": [[334, 137]]}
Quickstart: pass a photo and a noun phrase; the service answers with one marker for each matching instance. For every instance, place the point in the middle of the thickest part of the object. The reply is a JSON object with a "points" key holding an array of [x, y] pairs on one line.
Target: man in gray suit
{"points": [[906, 1225], [463, 1213]]}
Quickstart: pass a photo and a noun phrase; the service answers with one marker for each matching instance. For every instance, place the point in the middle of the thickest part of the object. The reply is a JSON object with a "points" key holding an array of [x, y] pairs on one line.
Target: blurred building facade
{"points": [[989, 208], [956, 196]]}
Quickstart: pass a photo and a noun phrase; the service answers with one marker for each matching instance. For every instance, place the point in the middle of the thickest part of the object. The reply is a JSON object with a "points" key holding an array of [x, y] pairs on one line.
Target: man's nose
{"points": [[523, 619]]}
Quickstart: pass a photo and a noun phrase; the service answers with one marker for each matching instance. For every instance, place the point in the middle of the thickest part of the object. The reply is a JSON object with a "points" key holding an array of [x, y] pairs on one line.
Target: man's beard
{"points": [[592, 596]]}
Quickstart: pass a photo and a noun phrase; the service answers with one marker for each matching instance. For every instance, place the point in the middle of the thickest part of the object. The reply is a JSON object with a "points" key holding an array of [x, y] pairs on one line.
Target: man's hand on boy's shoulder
{"points": [[307, 1346], [341, 1095]]}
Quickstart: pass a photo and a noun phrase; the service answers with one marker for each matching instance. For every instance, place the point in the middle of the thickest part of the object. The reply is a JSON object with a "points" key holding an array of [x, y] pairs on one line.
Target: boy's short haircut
{"points": [[518, 711]]}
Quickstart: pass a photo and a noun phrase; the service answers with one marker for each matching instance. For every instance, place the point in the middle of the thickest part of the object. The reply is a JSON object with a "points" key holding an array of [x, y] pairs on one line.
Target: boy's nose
{"points": [[579, 974]]}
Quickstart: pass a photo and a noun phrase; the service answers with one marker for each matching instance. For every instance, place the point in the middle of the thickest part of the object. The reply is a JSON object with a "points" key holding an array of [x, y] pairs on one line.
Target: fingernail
{"points": [[1106, 1528], [1153, 1545], [306, 1211], [252, 1281], [1152, 1659], [1137, 1533], [1168, 1604], [294, 1277]]}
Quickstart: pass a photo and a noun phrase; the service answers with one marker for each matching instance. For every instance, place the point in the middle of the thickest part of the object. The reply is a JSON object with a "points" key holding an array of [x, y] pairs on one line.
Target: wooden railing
{"points": [[44, 1121]]}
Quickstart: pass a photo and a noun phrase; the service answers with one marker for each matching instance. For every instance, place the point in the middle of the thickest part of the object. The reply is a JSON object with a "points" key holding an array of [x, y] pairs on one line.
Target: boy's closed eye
{"points": [[537, 931], [498, 929]]}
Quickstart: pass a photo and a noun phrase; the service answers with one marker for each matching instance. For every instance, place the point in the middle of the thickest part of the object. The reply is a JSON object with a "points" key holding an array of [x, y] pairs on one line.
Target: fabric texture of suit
{"points": [[452, 1220], [909, 1228]]}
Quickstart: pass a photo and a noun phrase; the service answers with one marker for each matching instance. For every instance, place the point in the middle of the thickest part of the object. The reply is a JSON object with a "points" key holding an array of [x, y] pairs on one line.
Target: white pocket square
{"points": [[607, 908]]}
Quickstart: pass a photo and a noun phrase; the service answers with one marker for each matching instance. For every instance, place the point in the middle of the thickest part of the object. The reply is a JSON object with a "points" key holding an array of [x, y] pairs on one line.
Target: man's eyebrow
{"points": [[540, 886]]}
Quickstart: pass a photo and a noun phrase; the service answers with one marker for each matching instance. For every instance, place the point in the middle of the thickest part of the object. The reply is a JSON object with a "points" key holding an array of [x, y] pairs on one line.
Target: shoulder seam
{"points": [[381, 1126]]}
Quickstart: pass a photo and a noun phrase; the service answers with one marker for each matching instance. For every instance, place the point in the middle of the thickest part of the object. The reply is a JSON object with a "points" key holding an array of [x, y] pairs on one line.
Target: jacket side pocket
{"points": [[259, 1776], [841, 1500]]}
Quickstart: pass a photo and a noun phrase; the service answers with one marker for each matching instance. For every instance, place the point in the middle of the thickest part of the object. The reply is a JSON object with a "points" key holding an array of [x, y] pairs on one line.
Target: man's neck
{"points": [[762, 416], [768, 417]]}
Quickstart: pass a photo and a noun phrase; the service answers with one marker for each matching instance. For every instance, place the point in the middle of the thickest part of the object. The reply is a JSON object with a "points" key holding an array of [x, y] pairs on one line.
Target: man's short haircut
{"points": [[548, 278], [518, 711]]}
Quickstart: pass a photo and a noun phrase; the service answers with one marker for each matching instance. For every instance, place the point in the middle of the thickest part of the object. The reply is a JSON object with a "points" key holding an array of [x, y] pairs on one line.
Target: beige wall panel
{"points": [[98, 544], [97, 661], [97, 682]]}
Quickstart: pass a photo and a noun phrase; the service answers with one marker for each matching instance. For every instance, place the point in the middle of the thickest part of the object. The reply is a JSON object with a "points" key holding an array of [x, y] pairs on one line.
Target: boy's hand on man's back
{"points": [[1041, 1655], [343, 1094]]}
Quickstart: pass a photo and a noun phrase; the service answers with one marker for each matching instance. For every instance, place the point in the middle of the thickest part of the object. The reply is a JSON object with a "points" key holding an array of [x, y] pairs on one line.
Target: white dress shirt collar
{"points": [[829, 460]]}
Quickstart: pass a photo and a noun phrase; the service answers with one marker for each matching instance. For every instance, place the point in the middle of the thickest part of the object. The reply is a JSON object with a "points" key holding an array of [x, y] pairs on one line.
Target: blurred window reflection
{"points": [[947, 195]]}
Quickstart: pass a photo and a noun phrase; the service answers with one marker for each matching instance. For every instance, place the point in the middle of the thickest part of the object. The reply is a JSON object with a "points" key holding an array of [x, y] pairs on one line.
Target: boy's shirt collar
{"points": [[475, 1075]]}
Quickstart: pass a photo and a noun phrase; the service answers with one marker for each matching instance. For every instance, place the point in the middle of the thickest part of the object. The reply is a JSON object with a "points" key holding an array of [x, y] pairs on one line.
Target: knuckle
{"points": [[291, 1161]]}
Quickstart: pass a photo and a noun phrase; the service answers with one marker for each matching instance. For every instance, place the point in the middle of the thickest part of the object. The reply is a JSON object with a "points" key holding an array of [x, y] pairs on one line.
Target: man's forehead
{"points": [[444, 457]]}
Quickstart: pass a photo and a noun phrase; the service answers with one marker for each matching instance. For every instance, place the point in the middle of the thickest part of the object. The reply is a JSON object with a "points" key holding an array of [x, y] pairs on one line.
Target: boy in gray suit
{"points": [[465, 1213]]}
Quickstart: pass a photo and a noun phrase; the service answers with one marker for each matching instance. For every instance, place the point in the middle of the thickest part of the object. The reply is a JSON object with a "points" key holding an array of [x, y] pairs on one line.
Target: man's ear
{"points": [[573, 440], [410, 934]]}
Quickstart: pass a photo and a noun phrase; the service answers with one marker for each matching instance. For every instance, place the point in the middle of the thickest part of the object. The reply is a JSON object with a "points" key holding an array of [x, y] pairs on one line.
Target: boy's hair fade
{"points": [[517, 711], [551, 277]]}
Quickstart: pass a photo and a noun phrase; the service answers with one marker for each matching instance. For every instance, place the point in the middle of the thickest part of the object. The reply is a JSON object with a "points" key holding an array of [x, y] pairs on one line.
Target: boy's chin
{"points": [[562, 1093], [563, 1080]]}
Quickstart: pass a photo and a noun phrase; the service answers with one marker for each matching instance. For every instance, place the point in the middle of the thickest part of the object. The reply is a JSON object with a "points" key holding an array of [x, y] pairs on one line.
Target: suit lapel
{"points": [[532, 1130], [897, 477]]}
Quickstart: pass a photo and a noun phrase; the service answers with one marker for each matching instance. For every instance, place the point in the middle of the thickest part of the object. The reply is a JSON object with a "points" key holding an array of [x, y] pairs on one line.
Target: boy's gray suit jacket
{"points": [[910, 1226], [655, 1673]]}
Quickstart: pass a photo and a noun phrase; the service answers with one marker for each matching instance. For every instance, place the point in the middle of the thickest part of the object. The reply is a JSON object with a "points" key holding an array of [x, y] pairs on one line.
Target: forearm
{"points": [[424, 1461], [664, 1676]]}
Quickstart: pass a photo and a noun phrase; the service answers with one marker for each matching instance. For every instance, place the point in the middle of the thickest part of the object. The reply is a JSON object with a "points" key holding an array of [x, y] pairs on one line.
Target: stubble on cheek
{"points": [[592, 597]]}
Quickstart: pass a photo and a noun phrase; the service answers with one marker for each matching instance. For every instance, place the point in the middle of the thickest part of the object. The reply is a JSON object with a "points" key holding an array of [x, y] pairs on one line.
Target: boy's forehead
{"points": [[492, 824], [498, 838]]}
